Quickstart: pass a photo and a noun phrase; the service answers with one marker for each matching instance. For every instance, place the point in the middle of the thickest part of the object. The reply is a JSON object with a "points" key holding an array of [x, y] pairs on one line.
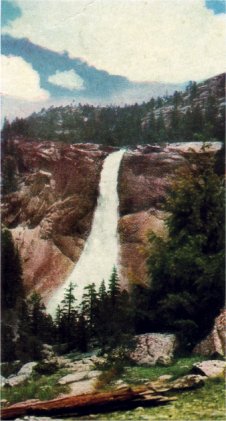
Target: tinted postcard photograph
{"points": [[112, 210]]}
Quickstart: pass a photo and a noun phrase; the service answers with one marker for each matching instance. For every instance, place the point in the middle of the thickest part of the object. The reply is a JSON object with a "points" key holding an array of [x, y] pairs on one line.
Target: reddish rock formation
{"points": [[45, 267], [144, 178], [143, 182], [133, 231], [215, 342], [51, 213]]}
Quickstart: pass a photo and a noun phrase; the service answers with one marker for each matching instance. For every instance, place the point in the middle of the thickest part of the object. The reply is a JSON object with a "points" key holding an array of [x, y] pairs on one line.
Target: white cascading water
{"points": [[100, 253]]}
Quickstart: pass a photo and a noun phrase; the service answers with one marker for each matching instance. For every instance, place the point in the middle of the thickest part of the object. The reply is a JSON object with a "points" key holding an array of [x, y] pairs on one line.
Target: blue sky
{"points": [[218, 6], [103, 51]]}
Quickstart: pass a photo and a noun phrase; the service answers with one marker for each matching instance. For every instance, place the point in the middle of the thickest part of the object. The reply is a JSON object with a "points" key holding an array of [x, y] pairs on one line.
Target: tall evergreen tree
{"points": [[9, 177], [69, 311], [28, 345], [187, 268], [41, 323], [114, 287], [89, 309], [103, 317], [11, 272]]}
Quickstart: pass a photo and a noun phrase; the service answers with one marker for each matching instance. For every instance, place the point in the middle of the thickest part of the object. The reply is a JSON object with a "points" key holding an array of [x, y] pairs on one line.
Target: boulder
{"points": [[26, 369], [215, 342], [73, 377], [82, 387], [15, 380], [154, 348], [23, 374], [211, 368], [94, 374]]}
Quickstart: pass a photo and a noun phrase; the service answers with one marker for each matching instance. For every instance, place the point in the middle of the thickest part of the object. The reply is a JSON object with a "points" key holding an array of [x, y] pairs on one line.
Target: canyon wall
{"points": [[50, 215]]}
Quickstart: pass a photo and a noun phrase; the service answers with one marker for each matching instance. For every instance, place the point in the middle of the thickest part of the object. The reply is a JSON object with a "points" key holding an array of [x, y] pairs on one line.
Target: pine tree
{"points": [[151, 135], [82, 334], [119, 313], [175, 124], [8, 352], [161, 135], [89, 310], [68, 303], [6, 130], [28, 345], [211, 118], [41, 323], [114, 288], [11, 272], [9, 178], [69, 314], [103, 317]]}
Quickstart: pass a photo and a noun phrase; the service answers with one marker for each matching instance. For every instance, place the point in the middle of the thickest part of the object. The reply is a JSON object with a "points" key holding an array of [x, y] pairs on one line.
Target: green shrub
{"points": [[47, 367]]}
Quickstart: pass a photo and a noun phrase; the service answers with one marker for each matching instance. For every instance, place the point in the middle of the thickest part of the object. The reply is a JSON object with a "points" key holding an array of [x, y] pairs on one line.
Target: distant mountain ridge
{"points": [[196, 96], [196, 114]]}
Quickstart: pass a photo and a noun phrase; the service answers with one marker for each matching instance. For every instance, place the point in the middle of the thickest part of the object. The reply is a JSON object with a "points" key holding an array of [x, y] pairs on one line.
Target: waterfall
{"points": [[100, 253]]}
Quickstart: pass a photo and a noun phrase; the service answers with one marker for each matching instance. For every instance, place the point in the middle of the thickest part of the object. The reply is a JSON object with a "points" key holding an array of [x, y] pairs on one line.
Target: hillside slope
{"points": [[196, 114]]}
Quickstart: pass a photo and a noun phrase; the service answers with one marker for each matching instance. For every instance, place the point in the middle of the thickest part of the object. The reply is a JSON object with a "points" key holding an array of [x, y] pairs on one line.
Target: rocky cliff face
{"points": [[51, 213], [144, 178], [198, 96], [143, 181]]}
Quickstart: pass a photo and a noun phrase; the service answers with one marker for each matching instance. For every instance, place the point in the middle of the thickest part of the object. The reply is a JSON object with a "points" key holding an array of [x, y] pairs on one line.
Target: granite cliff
{"points": [[50, 214]]}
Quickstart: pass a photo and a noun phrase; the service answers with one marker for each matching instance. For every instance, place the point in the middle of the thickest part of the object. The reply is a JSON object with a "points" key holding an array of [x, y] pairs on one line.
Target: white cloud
{"points": [[145, 40], [20, 80], [68, 79]]}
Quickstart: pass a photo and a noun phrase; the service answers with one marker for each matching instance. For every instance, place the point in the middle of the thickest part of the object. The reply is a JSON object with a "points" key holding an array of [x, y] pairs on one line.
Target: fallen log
{"points": [[99, 402]]}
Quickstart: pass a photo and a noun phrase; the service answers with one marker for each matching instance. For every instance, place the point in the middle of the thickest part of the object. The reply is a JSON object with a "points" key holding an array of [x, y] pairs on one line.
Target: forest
{"points": [[195, 114]]}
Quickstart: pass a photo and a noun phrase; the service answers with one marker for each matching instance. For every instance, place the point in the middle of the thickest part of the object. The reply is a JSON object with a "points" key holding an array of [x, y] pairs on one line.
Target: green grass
{"points": [[206, 403], [180, 367], [37, 387]]}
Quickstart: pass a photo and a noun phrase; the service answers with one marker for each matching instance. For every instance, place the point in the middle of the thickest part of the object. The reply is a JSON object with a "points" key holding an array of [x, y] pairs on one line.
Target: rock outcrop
{"points": [[51, 213], [215, 342], [144, 178], [199, 98], [143, 182]]}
